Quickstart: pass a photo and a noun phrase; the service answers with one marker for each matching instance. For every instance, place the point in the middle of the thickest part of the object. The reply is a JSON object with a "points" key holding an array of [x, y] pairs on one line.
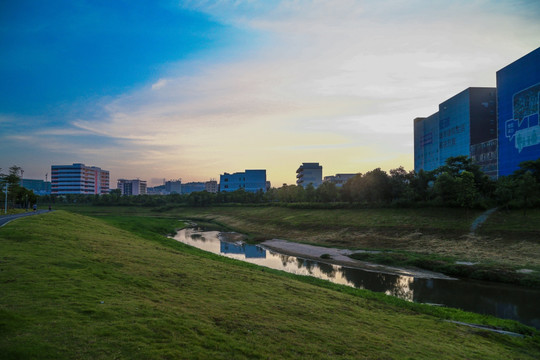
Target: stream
{"points": [[501, 300]]}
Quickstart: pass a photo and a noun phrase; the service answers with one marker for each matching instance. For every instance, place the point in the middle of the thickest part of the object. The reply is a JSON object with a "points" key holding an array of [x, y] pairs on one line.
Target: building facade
{"points": [[79, 179], [309, 173], [211, 186], [195, 186], [426, 143], [518, 104], [173, 186], [38, 187], [465, 124], [131, 187], [249, 180], [339, 179]]}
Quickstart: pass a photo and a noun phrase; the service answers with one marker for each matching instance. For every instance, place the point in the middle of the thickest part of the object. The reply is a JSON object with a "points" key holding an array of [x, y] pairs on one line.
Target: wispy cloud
{"points": [[334, 82]]}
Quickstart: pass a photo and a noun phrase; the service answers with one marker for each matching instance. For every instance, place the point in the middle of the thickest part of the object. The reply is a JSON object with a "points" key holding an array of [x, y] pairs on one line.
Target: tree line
{"points": [[17, 195], [458, 183]]}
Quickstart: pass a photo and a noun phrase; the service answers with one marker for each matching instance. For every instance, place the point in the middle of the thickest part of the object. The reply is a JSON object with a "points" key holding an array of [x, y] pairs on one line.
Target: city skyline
{"points": [[197, 88]]}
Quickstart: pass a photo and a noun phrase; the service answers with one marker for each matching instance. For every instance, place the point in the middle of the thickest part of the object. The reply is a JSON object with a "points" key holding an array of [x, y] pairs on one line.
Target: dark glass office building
{"points": [[464, 125], [518, 86]]}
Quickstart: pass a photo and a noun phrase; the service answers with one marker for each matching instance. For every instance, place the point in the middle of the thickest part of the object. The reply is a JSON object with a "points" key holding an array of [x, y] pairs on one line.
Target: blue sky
{"points": [[191, 89]]}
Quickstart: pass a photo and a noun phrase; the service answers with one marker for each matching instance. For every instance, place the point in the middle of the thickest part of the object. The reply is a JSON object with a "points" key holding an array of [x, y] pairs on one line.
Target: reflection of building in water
{"points": [[402, 288], [250, 251]]}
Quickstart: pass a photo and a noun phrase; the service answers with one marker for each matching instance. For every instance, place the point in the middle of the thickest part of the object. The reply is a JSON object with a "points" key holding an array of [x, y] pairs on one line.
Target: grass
{"points": [[452, 267], [507, 242], [80, 287], [12, 211]]}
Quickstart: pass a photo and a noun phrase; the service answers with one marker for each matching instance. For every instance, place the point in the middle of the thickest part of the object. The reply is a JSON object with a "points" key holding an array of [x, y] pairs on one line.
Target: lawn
{"points": [[80, 287]]}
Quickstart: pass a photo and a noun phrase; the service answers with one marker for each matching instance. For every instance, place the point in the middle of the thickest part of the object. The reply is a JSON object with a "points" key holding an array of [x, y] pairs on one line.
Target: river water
{"points": [[504, 301]]}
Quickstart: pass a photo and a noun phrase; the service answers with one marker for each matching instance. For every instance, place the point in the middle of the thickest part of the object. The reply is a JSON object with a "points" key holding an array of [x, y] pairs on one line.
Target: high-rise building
{"points": [[464, 125], [309, 173], [79, 179], [250, 180], [426, 143], [132, 187], [518, 107]]}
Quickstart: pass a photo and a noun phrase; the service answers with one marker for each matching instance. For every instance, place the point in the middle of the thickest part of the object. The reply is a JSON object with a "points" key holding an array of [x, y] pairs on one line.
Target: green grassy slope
{"points": [[77, 287]]}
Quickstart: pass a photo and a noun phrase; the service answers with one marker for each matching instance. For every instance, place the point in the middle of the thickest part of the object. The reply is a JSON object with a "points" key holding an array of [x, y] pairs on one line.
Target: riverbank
{"points": [[505, 248], [343, 257], [115, 287]]}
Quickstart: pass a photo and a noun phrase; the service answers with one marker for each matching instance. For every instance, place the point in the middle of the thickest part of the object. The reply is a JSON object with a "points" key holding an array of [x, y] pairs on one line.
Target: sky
{"points": [[192, 89]]}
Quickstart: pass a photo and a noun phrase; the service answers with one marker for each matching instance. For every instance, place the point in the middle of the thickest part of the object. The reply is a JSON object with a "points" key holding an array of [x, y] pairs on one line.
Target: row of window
{"points": [[458, 129]]}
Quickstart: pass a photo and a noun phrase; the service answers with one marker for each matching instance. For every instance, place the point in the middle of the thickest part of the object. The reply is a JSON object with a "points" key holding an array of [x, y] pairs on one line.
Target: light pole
{"points": [[5, 208]]}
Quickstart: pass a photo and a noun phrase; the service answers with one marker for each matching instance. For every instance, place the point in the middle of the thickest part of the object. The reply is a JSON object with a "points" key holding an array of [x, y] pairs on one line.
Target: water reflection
{"points": [[505, 301]]}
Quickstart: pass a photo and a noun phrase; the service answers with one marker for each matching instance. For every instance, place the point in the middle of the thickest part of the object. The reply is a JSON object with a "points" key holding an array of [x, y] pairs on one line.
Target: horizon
{"points": [[191, 90]]}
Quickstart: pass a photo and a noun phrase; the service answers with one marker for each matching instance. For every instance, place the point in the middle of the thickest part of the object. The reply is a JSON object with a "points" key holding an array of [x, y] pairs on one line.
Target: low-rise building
{"points": [[339, 179], [132, 187], [195, 186], [38, 187], [249, 180], [211, 186], [173, 186]]}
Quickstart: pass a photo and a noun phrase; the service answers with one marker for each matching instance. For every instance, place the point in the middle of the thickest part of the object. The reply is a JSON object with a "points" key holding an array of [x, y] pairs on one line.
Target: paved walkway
{"points": [[481, 219], [4, 219]]}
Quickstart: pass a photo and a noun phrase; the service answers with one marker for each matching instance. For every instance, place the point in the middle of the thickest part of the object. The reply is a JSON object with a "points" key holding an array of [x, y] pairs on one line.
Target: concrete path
{"points": [[4, 219], [481, 219]]}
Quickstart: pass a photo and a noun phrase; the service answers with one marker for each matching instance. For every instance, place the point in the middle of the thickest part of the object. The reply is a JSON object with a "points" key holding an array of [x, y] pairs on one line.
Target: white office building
{"points": [[132, 187], [79, 179]]}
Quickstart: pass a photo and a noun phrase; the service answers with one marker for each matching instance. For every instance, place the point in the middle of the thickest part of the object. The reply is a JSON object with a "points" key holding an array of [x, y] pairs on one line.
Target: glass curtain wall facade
{"points": [[250, 180], [518, 103], [426, 143], [464, 125]]}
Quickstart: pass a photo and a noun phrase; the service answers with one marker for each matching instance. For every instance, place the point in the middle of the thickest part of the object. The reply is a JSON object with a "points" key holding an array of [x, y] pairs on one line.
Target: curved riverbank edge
{"points": [[341, 257]]}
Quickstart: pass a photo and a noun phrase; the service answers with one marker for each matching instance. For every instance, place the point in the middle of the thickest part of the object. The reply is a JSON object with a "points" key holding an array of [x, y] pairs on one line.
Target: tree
{"points": [[532, 166], [401, 184], [445, 188], [309, 193], [327, 192], [376, 187], [527, 191], [372, 187], [505, 190], [349, 191], [467, 192], [421, 185]]}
